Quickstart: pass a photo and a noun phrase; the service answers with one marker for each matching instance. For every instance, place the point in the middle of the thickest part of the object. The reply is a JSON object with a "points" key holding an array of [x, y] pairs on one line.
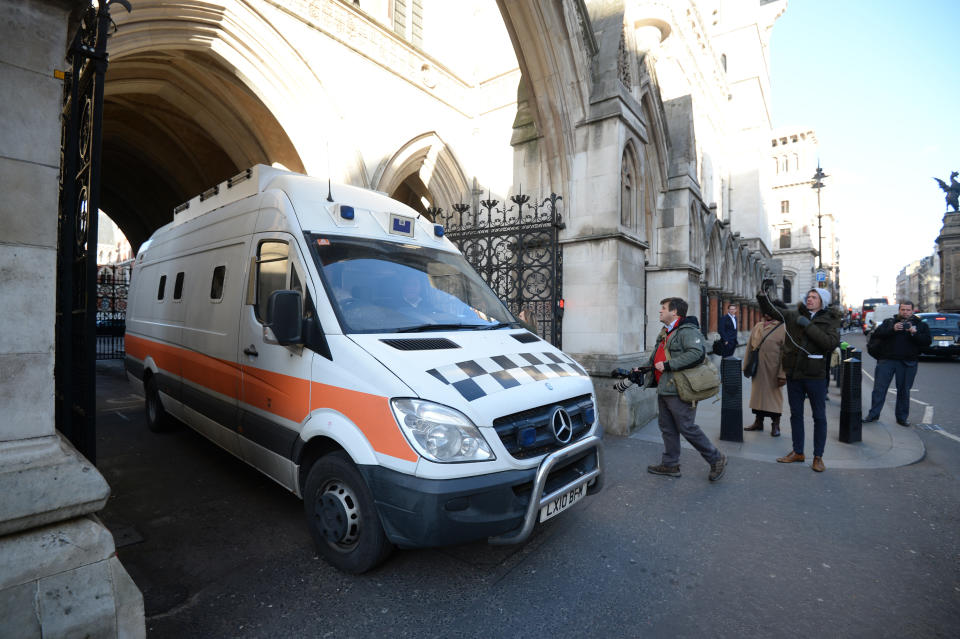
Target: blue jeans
{"points": [[816, 390], [887, 369]]}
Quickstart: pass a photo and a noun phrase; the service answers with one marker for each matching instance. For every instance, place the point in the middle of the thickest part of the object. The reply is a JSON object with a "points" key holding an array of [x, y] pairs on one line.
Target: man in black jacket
{"points": [[812, 332], [901, 338], [728, 331]]}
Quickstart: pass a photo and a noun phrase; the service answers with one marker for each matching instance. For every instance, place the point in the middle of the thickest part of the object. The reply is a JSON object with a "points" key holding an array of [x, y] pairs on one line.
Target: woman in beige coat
{"points": [[766, 390]]}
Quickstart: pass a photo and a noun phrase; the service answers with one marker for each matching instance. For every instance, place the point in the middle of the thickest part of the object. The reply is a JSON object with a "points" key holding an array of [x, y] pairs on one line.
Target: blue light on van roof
{"points": [[438, 230], [346, 212]]}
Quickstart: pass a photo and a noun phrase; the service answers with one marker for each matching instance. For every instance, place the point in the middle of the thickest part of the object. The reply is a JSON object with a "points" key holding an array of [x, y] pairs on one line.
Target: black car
{"points": [[945, 330]]}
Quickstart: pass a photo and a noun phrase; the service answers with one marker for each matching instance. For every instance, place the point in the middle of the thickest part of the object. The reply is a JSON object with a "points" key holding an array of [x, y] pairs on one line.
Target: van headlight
{"points": [[440, 433]]}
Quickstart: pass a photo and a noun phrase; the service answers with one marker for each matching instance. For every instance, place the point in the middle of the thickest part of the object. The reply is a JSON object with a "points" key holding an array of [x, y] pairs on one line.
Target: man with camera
{"points": [[679, 347], [896, 345]]}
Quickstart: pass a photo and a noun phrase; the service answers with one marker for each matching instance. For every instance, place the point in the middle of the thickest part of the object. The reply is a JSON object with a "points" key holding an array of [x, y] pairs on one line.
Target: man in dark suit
{"points": [[728, 331]]}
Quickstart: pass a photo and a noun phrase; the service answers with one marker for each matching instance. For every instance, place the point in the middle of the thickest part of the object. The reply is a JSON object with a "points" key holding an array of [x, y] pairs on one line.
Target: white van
{"points": [[335, 340]]}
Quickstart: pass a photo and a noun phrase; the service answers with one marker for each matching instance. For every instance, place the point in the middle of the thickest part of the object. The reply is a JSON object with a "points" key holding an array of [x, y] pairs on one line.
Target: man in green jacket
{"points": [[813, 332], [679, 346]]}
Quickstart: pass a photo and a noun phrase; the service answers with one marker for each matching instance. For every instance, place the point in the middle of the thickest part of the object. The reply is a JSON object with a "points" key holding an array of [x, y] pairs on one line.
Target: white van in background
{"points": [[335, 340]]}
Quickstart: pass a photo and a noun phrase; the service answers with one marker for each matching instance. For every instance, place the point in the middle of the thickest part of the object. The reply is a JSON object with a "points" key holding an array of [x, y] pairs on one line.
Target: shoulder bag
{"points": [[698, 382], [753, 361]]}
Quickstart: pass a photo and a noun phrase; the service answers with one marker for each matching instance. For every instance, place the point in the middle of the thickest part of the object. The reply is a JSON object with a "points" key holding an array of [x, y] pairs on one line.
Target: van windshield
{"points": [[387, 287]]}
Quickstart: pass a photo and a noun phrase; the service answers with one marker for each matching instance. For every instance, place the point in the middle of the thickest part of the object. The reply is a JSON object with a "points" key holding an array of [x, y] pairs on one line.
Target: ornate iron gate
{"points": [[516, 250], [82, 115], [113, 282]]}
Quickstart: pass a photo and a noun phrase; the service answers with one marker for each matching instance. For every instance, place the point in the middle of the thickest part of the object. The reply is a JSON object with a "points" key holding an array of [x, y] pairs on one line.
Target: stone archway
{"points": [[424, 169], [195, 93]]}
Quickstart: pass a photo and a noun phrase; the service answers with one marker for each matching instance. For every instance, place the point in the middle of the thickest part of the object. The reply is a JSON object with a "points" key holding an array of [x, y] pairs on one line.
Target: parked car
{"points": [[945, 330]]}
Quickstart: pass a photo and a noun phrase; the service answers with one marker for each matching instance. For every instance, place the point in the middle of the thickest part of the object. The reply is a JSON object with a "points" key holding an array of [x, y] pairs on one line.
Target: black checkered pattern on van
{"points": [[483, 376]]}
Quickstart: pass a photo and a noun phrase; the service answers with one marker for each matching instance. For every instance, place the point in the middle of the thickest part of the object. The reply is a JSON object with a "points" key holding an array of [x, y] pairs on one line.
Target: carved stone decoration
{"points": [[623, 62]]}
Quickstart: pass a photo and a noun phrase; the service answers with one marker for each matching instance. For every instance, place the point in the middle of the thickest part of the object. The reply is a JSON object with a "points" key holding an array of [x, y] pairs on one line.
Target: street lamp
{"points": [[818, 184]]}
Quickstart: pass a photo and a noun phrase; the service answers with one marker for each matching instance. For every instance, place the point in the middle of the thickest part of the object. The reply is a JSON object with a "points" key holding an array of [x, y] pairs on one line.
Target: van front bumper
{"points": [[502, 507]]}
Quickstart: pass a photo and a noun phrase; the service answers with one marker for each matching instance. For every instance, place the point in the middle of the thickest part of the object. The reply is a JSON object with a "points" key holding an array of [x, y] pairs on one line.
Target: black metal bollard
{"points": [[731, 403], [851, 408]]}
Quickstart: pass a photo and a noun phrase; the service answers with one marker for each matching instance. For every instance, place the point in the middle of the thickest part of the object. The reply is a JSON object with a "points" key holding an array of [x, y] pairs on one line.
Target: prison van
{"points": [[338, 342]]}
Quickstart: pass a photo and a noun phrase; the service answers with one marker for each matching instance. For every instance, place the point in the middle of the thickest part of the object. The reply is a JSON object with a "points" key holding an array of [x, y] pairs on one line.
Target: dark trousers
{"points": [[816, 390], [886, 371], [675, 419]]}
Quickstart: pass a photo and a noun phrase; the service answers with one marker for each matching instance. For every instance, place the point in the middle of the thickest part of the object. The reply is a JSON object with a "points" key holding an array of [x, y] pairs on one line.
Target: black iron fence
{"points": [[516, 249]]}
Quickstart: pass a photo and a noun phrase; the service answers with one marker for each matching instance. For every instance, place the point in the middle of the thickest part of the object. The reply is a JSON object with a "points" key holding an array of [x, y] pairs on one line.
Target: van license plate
{"points": [[560, 503]]}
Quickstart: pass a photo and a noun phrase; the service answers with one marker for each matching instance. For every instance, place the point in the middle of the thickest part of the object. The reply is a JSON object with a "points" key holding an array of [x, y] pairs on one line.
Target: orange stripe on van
{"points": [[371, 413], [283, 395]]}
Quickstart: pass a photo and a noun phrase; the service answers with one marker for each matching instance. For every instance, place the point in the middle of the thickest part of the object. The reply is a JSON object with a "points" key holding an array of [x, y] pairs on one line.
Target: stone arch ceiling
{"points": [[176, 123]]}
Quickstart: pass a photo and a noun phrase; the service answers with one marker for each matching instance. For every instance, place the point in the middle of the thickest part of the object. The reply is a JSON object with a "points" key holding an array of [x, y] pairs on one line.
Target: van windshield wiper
{"points": [[495, 326], [421, 328]]}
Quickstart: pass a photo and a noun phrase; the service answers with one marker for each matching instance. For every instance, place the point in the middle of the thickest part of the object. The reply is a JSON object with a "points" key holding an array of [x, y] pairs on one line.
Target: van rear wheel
{"points": [[342, 517], [157, 418]]}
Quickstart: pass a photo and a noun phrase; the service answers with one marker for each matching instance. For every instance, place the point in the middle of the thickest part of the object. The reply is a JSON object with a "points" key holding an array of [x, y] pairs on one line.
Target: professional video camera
{"points": [[628, 378]]}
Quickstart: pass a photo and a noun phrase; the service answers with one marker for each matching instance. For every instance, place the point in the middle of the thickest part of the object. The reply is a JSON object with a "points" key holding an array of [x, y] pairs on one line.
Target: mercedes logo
{"points": [[562, 425]]}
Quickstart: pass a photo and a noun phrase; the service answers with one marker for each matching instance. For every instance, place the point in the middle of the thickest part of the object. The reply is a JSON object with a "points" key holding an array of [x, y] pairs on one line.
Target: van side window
{"points": [[273, 259], [216, 284], [178, 287], [163, 284]]}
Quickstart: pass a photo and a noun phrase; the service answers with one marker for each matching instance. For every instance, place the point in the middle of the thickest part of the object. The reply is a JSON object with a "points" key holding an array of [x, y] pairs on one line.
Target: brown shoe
{"points": [[818, 464], [775, 427], [756, 425], [789, 459]]}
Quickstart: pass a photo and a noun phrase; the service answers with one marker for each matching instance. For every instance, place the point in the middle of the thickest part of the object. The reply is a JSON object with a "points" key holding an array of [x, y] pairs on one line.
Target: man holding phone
{"points": [[899, 340]]}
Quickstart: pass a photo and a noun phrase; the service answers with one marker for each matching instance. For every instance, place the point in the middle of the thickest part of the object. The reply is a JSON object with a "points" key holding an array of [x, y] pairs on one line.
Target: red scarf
{"points": [[661, 354]]}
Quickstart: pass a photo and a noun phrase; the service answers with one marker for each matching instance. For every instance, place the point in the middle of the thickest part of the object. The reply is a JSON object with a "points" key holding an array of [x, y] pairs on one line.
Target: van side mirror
{"points": [[284, 317]]}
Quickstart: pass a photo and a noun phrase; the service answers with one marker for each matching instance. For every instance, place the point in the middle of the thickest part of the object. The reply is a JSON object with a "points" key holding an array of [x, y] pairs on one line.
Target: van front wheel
{"points": [[342, 517], [157, 418]]}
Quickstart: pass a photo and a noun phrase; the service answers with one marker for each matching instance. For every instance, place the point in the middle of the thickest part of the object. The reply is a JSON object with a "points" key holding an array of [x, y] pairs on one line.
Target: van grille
{"points": [[510, 427], [423, 344]]}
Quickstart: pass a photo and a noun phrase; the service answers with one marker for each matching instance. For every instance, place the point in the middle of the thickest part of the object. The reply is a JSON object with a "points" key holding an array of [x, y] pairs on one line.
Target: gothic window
{"points": [[629, 198], [407, 19], [787, 291]]}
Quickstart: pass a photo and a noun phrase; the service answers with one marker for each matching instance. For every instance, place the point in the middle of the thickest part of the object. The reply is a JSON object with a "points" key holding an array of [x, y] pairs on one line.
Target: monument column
{"points": [[948, 247]]}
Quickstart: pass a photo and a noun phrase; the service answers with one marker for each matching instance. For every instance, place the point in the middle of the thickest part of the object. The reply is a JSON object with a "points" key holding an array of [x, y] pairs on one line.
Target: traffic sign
{"points": [[821, 275]]}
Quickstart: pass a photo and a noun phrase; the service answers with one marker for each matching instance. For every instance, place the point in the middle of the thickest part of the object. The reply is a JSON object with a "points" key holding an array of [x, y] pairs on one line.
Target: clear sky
{"points": [[879, 82]]}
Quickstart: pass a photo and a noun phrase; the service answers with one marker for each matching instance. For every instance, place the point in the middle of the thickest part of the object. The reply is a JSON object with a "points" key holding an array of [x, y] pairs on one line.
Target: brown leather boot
{"points": [[775, 426], [756, 425]]}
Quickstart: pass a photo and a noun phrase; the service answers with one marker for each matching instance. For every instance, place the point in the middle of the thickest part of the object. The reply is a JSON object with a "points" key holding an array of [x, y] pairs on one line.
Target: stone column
{"points": [[948, 246], [714, 310], [60, 574]]}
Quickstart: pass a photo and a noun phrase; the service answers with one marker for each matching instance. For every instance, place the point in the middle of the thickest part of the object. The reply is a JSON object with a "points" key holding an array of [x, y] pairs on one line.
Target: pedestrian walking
{"points": [[812, 331], [679, 346], [896, 345], [728, 331], [766, 387]]}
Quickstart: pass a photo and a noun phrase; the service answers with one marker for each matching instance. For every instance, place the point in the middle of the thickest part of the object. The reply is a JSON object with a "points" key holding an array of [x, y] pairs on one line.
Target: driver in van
{"points": [[411, 291]]}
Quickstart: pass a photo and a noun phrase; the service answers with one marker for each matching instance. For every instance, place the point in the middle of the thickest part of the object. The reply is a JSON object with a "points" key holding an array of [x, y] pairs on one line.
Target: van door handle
{"points": [[251, 351]]}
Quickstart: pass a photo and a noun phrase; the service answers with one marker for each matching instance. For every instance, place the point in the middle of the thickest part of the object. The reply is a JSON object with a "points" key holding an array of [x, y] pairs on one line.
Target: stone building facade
{"points": [[919, 282], [793, 161], [651, 118]]}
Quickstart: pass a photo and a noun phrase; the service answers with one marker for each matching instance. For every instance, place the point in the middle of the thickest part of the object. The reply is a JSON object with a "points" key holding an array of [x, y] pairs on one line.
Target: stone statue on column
{"points": [[952, 190]]}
